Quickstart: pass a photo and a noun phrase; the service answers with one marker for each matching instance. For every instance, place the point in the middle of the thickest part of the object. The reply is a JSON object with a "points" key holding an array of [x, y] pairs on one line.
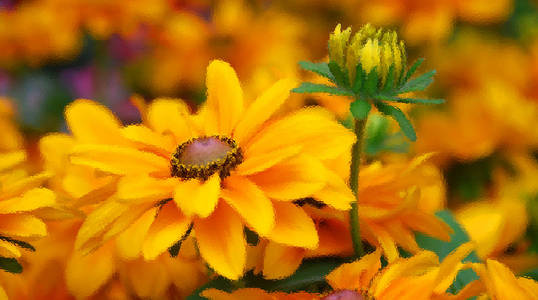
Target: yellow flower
{"points": [[229, 166], [370, 47]]}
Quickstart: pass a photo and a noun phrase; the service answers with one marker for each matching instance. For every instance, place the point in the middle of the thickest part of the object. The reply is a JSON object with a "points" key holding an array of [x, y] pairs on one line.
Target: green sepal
{"points": [[18, 243], [411, 100], [389, 82], [400, 117], [359, 79], [309, 87], [412, 70], [418, 84], [360, 109], [371, 82], [318, 68], [10, 265], [340, 76]]}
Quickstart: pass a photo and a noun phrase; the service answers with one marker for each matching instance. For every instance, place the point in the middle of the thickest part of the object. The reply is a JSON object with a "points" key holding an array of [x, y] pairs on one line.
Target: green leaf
{"points": [[413, 68], [219, 283], [400, 117], [10, 265], [360, 109], [18, 243], [359, 79], [340, 75], [309, 87], [310, 273], [418, 84], [442, 249], [413, 100], [318, 68], [371, 82], [389, 82]]}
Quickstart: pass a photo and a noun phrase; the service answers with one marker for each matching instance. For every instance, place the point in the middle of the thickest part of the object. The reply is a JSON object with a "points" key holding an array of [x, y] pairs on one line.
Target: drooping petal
{"points": [[224, 95], [356, 275], [450, 267], [21, 225], [31, 200], [293, 227], [169, 227], [386, 242], [281, 261], [250, 202], [85, 274], [314, 129], [119, 160], [223, 249], [295, 178], [262, 109], [15, 188], [170, 116], [198, 198], [93, 123], [11, 159], [336, 193], [129, 242], [429, 224]]}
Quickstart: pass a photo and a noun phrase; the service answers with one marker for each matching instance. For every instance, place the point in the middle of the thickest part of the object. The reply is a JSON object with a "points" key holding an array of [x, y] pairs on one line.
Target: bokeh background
{"points": [[125, 52]]}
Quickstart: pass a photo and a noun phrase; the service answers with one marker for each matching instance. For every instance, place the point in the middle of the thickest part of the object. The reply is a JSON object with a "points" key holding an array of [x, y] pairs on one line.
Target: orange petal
{"points": [[293, 227], [169, 227], [31, 200], [223, 249], [336, 193], [11, 159], [198, 198], [262, 109], [91, 122], [17, 225], [356, 275], [281, 261], [224, 95], [129, 242], [295, 178], [250, 202]]}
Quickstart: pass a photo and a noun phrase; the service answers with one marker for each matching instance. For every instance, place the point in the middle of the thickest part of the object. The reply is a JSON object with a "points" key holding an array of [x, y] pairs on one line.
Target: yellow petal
{"points": [[198, 198], [223, 249], [281, 261], [258, 162], [97, 222], [3, 295], [170, 116], [31, 200], [314, 129], [85, 274], [224, 95], [386, 242], [129, 242], [55, 148], [293, 227], [91, 122], [146, 138], [336, 193], [504, 282], [11, 159], [262, 109], [295, 178], [119, 160], [356, 275], [148, 279], [429, 224], [169, 227], [140, 187], [450, 267], [15, 188], [8, 249], [250, 202], [17, 225]]}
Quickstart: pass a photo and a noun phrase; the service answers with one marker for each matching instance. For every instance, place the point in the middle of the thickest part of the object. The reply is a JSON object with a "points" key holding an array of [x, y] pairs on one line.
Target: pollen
{"points": [[204, 156]]}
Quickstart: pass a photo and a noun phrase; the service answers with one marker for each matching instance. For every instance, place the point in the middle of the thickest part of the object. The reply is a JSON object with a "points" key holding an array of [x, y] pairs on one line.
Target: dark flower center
{"points": [[344, 295], [204, 156]]}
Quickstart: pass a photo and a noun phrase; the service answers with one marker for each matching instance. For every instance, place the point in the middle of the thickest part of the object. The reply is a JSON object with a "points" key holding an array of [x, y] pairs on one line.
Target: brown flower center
{"points": [[204, 156]]}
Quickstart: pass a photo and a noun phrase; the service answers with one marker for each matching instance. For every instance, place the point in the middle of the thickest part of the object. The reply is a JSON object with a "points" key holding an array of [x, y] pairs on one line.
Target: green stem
{"points": [[358, 128]]}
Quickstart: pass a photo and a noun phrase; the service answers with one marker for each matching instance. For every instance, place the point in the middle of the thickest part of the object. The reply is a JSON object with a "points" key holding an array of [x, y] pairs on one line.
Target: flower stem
{"points": [[359, 127]]}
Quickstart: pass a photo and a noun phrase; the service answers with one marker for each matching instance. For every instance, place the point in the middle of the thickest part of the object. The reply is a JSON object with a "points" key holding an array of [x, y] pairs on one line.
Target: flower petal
{"points": [[91, 122], [356, 275], [314, 129], [260, 162], [293, 227], [140, 187], [17, 225], [31, 200], [223, 249], [129, 242], [450, 267], [169, 227], [11, 159], [119, 160], [295, 178], [147, 138], [55, 148], [262, 109], [250, 202], [8, 249], [198, 198], [281, 261], [224, 95], [170, 116], [336, 193]]}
